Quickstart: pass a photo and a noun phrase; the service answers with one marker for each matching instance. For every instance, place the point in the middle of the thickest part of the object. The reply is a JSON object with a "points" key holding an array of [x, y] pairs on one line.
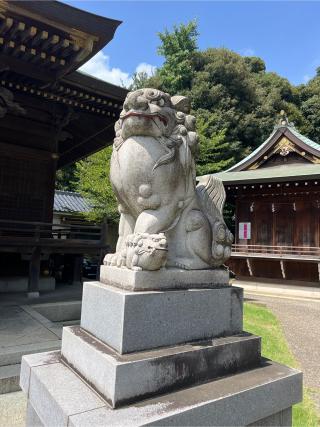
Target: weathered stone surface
{"points": [[32, 418], [167, 220], [134, 321], [163, 279], [56, 393], [122, 379], [12, 354], [281, 418], [59, 397], [32, 360]]}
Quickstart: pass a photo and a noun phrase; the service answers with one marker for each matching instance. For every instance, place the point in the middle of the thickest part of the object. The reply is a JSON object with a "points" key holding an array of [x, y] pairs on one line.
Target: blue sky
{"points": [[286, 35]]}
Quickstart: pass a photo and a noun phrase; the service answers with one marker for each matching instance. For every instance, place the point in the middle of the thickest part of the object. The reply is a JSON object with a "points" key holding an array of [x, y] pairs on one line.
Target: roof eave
{"points": [[261, 180], [273, 139]]}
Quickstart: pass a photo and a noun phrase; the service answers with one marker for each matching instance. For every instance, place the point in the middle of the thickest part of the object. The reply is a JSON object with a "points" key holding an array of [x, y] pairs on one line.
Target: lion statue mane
{"points": [[164, 215]]}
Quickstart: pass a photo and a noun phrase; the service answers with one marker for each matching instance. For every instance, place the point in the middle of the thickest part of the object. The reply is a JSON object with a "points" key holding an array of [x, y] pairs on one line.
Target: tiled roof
{"points": [[304, 139], [271, 174], [278, 129], [68, 201]]}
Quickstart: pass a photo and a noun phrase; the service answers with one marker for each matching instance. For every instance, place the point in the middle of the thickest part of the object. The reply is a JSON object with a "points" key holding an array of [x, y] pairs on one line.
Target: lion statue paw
{"points": [[146, 251]]}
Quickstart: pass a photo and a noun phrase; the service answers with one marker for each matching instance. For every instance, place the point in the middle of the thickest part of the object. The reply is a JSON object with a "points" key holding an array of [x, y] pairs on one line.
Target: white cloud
{"points": [[247, 51], [146, 68], [99, 66]]}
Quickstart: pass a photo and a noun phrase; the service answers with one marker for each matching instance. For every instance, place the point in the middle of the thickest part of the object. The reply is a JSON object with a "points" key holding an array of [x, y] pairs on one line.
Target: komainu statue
{"points": [[166, 219]]}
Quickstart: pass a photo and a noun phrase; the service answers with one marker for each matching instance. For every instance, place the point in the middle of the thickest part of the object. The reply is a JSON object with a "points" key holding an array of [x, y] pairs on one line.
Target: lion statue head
{"points": [[153, 113]]}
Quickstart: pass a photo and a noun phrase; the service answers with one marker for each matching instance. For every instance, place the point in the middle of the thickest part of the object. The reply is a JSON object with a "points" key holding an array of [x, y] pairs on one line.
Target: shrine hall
{"points": [[275, 192], [51, 115]]}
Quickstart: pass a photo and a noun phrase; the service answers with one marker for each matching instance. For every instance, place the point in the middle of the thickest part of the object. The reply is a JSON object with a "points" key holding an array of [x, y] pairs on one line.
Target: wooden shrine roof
{"points": [[49, 39], [272, 174], [283, 140], [286, 155], [45, 103]]}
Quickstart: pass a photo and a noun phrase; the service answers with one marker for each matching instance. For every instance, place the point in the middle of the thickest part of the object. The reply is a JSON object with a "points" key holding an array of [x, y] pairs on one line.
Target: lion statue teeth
{"points": [[166, 220]]}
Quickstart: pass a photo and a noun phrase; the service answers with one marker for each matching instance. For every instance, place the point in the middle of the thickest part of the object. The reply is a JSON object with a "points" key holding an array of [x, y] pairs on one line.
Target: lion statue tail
{"points": [[212, 197]]}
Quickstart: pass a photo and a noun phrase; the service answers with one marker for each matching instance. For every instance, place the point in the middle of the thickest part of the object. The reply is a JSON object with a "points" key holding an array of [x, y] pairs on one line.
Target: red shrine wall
{"points": [[288, 223]]}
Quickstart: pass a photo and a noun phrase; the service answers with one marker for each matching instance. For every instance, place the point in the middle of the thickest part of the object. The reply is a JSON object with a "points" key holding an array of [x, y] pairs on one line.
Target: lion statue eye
{"points": [[161, 102], [152, 94]]}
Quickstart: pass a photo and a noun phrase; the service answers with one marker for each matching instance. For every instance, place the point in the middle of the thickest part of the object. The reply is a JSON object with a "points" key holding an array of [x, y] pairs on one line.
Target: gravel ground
{"points": [[301, 324], [12, 409]]}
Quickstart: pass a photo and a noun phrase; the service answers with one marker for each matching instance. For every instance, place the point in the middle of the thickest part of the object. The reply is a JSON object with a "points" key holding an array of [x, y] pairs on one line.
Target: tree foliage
{"points": [[235, 93], [65, 178], [235, 100], [93, 183]]}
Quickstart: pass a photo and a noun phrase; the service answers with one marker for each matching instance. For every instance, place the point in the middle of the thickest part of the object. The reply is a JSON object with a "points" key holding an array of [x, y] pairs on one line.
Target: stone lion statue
{"points": [[166, 219]]}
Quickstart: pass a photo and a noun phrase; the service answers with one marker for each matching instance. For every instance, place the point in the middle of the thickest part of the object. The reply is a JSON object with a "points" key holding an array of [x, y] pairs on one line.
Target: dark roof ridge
{"points": [[74, 193]]}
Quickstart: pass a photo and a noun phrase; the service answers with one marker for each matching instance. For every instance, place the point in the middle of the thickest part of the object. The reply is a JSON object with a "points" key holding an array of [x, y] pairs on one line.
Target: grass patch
{"points": [[260, 321]]}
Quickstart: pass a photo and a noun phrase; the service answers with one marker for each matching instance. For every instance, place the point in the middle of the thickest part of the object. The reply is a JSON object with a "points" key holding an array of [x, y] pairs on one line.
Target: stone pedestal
{"points": [[163, 279], [160, 357], [133, 321]]}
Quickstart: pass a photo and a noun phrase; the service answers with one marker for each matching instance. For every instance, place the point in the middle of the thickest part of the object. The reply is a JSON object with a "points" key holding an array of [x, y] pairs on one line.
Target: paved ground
{"points": [[18, 328], [61, 293], [24, 330], [300, 319], [12, 409], [21, 330]]}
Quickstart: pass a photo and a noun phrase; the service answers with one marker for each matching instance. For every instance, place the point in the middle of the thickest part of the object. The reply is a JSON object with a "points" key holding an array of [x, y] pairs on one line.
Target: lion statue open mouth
{"points": [[153, 176]]}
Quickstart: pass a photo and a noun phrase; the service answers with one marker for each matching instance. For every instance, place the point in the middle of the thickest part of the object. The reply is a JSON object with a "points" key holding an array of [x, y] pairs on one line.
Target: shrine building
{"points": [[51, 115], [276, 194]]}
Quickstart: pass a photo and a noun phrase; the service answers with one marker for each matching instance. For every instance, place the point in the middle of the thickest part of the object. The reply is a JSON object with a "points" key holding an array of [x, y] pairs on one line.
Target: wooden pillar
{"points": [[77, 270], [34, 273], [104, 233], [236, 231], [249, 267]]}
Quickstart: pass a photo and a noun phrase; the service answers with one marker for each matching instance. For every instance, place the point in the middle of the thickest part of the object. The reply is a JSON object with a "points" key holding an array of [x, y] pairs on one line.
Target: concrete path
{"points": [[277, 289], [31, 326], [300, 319], [23, 331]]}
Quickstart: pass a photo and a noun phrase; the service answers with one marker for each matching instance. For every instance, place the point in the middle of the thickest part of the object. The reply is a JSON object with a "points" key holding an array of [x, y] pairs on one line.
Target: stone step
{"points": [[13, 354], [123, 379], [9, 378], [261, 396]]}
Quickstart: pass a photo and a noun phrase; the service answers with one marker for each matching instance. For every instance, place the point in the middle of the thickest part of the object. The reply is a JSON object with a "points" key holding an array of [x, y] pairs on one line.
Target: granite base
{"points": [[136, 321], [122, 379], [164, 279], [58, 396]]}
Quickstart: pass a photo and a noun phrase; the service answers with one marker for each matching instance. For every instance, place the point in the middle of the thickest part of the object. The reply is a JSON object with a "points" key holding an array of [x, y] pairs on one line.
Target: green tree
{"points": [[93, 183], [310, 107], [215, 154], [139, 80], [65, 178], [242, 99], [177, 47], [235, 100]]}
